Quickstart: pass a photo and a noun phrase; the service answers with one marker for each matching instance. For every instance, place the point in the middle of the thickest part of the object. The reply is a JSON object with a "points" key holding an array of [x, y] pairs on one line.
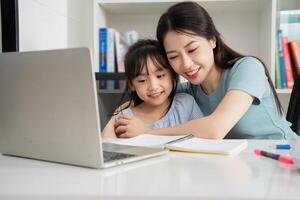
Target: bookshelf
{"points": [[284, 5], [256, 37], [249, 26]]}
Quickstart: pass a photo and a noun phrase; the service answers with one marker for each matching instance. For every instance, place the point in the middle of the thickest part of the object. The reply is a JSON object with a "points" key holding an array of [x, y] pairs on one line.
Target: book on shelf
{"points": [[295, 56], [121, 47], [287, 63], [277, 70], [102, 50], [112, 49], [281, 59], [106, 56], [185, 143], [106, 50]]}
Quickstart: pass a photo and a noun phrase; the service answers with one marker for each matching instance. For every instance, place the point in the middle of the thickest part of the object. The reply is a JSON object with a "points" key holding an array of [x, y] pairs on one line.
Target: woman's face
{"points": [[190, 56]]}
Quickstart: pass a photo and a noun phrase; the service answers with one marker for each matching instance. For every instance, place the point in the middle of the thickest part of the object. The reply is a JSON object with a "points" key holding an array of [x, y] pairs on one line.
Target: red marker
{"points": [[280, 158]]}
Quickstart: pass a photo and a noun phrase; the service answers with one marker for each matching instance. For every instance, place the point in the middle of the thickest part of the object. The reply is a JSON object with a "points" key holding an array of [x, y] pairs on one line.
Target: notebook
{"points": [[148, 140], [186, 143], [209, 146]]}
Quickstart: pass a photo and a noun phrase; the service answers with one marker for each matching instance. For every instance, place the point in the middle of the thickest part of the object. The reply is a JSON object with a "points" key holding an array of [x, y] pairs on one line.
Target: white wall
{"points": [[52, 24]]}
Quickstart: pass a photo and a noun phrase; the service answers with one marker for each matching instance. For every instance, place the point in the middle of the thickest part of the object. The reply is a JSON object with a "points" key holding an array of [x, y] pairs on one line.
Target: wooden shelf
{"points": [[110, 91], [284, 91], [160, 6], [110, 76]]}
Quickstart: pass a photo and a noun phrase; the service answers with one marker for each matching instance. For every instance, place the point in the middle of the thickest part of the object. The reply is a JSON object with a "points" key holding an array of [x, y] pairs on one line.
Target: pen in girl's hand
{"points": [[180, 139], [280, 158]]}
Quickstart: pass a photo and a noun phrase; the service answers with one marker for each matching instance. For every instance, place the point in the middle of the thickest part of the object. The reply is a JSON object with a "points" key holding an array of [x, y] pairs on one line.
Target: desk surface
{"points": [[173, 176]]}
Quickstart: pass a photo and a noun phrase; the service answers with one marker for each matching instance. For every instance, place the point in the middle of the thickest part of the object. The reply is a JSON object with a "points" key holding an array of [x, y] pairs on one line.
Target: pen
{"points": [[283, 146], [180, 139], [280, 158]]}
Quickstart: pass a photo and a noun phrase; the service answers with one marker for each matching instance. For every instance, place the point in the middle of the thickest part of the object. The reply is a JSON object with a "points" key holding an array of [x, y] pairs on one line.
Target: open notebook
{"points": [[186, 143]]}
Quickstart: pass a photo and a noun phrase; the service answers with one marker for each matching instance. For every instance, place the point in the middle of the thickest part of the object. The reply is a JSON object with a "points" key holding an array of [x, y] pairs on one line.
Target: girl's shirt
{"points": [[183, 109], [262, 120]]}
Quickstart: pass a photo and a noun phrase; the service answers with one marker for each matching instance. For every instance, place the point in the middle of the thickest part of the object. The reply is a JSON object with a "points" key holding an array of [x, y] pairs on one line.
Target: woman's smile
{"points": [[192, 73]]}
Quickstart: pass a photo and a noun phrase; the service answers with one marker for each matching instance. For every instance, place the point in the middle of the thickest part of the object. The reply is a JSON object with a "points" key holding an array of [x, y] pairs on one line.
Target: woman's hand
{"points": [[130, 126]]}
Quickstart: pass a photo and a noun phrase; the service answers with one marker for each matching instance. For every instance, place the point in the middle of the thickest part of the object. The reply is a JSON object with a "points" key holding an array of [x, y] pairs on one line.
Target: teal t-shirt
{"points": [[262, 120]]}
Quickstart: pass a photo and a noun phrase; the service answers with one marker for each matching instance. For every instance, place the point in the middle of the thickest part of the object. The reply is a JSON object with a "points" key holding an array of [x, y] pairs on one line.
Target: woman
{"points": [[234, 92]]}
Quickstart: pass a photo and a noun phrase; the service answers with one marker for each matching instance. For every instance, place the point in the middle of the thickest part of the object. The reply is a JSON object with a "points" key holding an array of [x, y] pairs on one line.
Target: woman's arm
{"points": [[214, 126]]}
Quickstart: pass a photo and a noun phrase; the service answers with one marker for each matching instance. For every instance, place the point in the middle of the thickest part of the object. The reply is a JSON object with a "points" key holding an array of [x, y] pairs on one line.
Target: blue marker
{"points": [[283, 146]]}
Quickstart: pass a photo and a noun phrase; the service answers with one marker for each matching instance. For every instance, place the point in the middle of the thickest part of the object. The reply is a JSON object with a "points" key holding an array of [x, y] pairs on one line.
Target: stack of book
{"points": [[288, 49], [112, 49]]}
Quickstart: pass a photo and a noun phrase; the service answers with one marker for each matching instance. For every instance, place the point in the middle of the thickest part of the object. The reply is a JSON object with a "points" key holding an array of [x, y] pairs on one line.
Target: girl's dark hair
{"points": [[136, 60], [192, 19]]}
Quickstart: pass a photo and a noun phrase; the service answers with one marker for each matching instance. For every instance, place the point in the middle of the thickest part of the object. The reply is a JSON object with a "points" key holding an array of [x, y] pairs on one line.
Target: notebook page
{"points": [[210, 146], [145, 140]]}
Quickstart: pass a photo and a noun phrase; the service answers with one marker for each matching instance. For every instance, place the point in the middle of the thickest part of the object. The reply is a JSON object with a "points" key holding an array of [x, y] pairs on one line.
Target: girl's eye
{"points": [[142, 81], [160, 75], [192, 50]]}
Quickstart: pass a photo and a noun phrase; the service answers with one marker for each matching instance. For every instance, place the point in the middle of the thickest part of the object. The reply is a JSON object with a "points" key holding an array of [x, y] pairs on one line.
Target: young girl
{"points": [[152, 83], [234, 91]]}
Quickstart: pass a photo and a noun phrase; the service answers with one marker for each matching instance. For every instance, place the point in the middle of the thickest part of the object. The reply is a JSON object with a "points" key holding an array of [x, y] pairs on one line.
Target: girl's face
{"points": [[155, 86], [190, 56]]}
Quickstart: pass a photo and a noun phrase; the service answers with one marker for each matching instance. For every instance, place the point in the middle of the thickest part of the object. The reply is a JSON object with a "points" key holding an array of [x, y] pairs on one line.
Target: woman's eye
{"points": [[192, 50], [172, 57], [141, 81]]}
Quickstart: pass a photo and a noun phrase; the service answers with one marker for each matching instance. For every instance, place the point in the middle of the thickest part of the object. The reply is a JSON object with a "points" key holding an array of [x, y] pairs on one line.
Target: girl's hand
{"points": [[129, 126], [109, 129]]}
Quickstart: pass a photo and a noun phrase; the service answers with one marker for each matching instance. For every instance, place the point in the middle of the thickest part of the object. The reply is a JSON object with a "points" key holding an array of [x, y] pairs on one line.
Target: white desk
{"points": [[174, 176]]}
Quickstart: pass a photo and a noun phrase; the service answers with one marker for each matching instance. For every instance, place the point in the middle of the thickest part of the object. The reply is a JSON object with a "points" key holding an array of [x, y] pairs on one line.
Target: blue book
{"points": [[110, 51], [281, 59], [103, 49]]}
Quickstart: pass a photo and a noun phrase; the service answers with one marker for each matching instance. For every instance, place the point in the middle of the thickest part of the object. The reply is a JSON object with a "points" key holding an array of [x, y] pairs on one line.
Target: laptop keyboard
{"points": [[111, 156]]}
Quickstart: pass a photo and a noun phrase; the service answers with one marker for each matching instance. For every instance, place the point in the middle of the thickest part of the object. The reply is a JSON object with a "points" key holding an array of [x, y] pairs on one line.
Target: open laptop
{"points": [[49, 110]]}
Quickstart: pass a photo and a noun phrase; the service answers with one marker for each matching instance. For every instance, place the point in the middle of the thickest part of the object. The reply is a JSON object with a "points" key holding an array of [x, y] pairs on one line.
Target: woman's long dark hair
{"points": [[136, 60], [192, 19]]}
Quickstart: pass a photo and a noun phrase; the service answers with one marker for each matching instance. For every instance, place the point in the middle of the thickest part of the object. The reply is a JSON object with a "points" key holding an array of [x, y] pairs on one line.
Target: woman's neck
{"points": [[151, 113], [212, 81]]}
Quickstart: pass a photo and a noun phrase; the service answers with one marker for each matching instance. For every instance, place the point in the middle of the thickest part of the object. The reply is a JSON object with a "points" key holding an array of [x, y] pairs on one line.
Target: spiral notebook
{"points": [[187, 143]]}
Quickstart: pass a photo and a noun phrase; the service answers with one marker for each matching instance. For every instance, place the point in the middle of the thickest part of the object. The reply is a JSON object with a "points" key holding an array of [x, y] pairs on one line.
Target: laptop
{"points": [[49, 111]]}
